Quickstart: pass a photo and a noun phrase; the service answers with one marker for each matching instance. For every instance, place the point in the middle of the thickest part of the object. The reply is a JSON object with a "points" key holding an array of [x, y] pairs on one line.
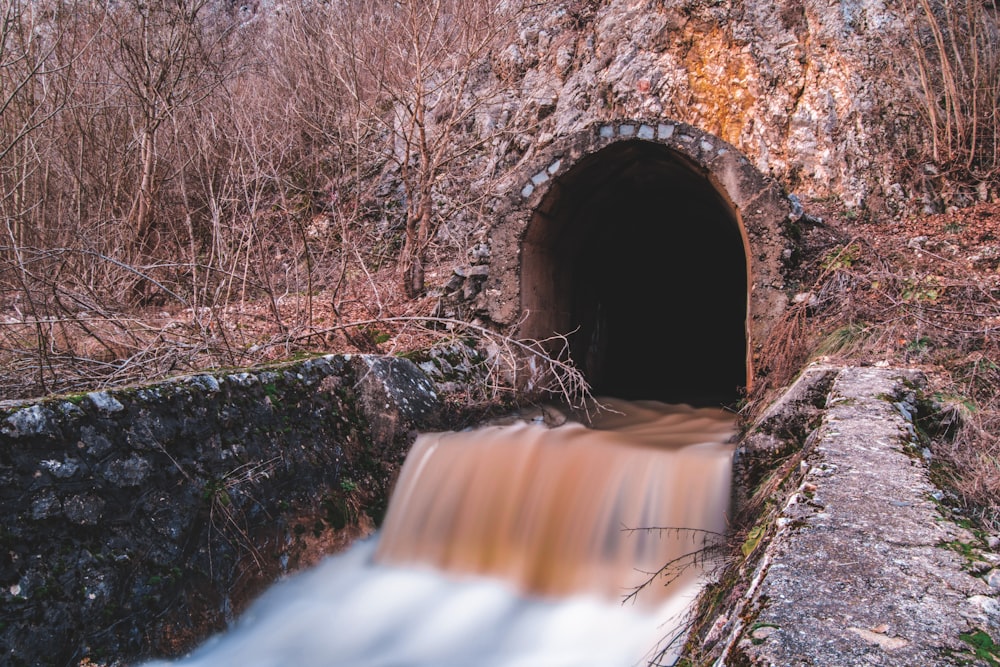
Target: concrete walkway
{"points": [[864, 569]]}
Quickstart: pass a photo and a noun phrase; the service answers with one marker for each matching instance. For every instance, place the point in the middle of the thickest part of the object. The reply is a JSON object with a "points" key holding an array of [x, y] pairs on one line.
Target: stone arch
{"points": [[656, 247]]}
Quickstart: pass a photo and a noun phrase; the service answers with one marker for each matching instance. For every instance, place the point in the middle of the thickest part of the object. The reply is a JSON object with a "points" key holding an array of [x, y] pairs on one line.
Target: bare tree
{"points": [[26, 104], [418, 72], [954, 57], [167, 60], [174, 152]]}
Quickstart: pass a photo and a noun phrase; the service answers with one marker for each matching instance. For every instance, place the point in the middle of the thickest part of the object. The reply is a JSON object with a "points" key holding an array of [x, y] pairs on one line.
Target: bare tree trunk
{"points": [[416, 58], [418, 225], [143, 206]]}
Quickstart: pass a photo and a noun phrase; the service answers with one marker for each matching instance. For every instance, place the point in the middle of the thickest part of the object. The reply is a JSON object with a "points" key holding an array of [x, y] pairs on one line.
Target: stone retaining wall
{"points": [[139, 519]]}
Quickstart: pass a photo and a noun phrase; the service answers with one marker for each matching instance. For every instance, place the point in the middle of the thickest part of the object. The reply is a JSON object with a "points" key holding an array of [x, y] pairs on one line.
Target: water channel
{"points": [[517, 545]]}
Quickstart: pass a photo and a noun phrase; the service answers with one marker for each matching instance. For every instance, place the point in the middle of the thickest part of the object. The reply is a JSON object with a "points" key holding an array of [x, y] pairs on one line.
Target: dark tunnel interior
{"points": [[636, 253]]}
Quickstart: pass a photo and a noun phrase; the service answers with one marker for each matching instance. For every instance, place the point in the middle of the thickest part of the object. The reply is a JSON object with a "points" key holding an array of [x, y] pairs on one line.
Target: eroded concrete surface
{"points": [[864, 568]]}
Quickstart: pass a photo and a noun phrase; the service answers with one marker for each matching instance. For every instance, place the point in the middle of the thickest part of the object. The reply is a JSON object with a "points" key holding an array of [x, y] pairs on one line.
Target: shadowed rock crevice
{"points": [[635, 251]]}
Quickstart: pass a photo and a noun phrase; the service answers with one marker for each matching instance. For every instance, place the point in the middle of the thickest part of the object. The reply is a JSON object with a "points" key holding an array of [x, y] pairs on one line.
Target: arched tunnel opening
{"points": [[638, 257]]}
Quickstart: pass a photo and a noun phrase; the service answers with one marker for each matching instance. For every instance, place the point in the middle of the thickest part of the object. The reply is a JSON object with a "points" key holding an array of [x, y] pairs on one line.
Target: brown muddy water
{"points": [[515, 546]]}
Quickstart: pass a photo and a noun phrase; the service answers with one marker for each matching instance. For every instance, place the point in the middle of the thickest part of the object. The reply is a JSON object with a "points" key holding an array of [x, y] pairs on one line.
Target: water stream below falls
{"points": [[513, 546]]}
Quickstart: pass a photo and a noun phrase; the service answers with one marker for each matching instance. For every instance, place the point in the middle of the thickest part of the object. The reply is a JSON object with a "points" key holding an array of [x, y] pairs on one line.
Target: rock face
{"points": [[812, 92], [763, 99], [134, 520]]}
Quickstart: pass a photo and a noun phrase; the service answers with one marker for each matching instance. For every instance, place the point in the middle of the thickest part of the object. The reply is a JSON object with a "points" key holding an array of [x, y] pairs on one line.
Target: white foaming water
{"points": [[350, 611], [456, 594]]}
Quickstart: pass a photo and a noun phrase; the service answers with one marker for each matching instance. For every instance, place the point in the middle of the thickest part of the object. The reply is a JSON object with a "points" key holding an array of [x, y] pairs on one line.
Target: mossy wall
{"points": [[139, 519]]}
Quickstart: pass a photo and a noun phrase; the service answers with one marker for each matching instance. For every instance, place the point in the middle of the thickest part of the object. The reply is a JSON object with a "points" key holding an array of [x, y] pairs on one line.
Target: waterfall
{"points": [[515, 546]]}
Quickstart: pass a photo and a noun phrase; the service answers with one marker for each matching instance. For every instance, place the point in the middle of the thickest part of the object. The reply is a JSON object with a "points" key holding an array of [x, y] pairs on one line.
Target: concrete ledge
{"points": [[862, 567]]}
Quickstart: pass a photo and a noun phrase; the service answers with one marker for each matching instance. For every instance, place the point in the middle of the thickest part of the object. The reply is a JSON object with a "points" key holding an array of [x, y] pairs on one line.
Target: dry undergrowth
{"points": [[921, 292], [67, 349], [74, 351]]}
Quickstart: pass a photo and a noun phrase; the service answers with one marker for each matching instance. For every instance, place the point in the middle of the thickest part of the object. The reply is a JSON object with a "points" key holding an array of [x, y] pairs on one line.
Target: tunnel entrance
{"points": [[640, 256]]}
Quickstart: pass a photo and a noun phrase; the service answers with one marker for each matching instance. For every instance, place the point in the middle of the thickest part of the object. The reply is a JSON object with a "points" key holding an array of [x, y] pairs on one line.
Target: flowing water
{"points": [[514, 546]]}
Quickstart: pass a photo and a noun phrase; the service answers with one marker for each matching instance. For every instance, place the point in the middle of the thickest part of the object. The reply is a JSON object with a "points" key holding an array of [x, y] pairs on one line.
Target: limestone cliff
{"points": [[809, 91]]}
